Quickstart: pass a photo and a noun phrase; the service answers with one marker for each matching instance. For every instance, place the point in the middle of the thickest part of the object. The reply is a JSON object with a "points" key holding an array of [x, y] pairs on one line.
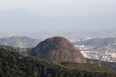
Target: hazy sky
{"points": [[56, 8], [61, 7]]}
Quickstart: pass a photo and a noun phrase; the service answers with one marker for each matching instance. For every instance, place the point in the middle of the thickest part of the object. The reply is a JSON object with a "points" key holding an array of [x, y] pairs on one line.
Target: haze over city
{"points": [[31, 16]]}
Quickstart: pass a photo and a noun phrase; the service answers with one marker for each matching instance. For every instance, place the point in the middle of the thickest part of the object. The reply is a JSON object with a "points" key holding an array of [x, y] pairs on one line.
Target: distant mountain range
{"points": [[22, 42], [20, 20], [97, 41]]}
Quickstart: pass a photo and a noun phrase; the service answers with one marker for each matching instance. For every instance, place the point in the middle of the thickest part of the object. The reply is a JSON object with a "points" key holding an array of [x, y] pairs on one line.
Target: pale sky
{"points": [[96, 9], [54, 8]]}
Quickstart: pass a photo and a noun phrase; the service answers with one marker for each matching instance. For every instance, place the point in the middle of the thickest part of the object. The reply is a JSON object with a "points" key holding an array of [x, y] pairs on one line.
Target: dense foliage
{"points": [[87, 67], [13, 64], [111, 65], [17, 49]]}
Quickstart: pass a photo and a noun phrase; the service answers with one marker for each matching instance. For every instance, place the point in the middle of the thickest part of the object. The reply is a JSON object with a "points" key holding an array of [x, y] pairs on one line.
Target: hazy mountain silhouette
{"points": [[20, 18], [97, 41], [22, 42]]}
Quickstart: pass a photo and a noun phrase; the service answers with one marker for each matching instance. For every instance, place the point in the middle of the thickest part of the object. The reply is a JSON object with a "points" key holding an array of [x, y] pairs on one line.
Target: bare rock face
{"points": [[58, 49]]}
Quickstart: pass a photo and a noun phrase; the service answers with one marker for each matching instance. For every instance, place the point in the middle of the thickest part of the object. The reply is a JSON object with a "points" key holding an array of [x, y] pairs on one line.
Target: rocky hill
{"points": [[22, 42], [57, 49]]}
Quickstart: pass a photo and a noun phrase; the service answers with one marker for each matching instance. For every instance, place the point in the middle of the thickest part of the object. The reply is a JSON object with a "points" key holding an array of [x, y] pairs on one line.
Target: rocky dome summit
{"points": [[57, 49]]}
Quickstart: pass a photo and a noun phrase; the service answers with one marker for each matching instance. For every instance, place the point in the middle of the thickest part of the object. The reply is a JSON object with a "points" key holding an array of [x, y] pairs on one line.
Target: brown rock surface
{"points": [[58, 49]]}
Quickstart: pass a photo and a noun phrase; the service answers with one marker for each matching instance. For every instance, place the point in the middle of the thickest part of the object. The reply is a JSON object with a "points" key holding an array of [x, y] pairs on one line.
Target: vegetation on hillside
{"points": [[13, 64], [111, 65], [17, 49], [87, 67]]}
